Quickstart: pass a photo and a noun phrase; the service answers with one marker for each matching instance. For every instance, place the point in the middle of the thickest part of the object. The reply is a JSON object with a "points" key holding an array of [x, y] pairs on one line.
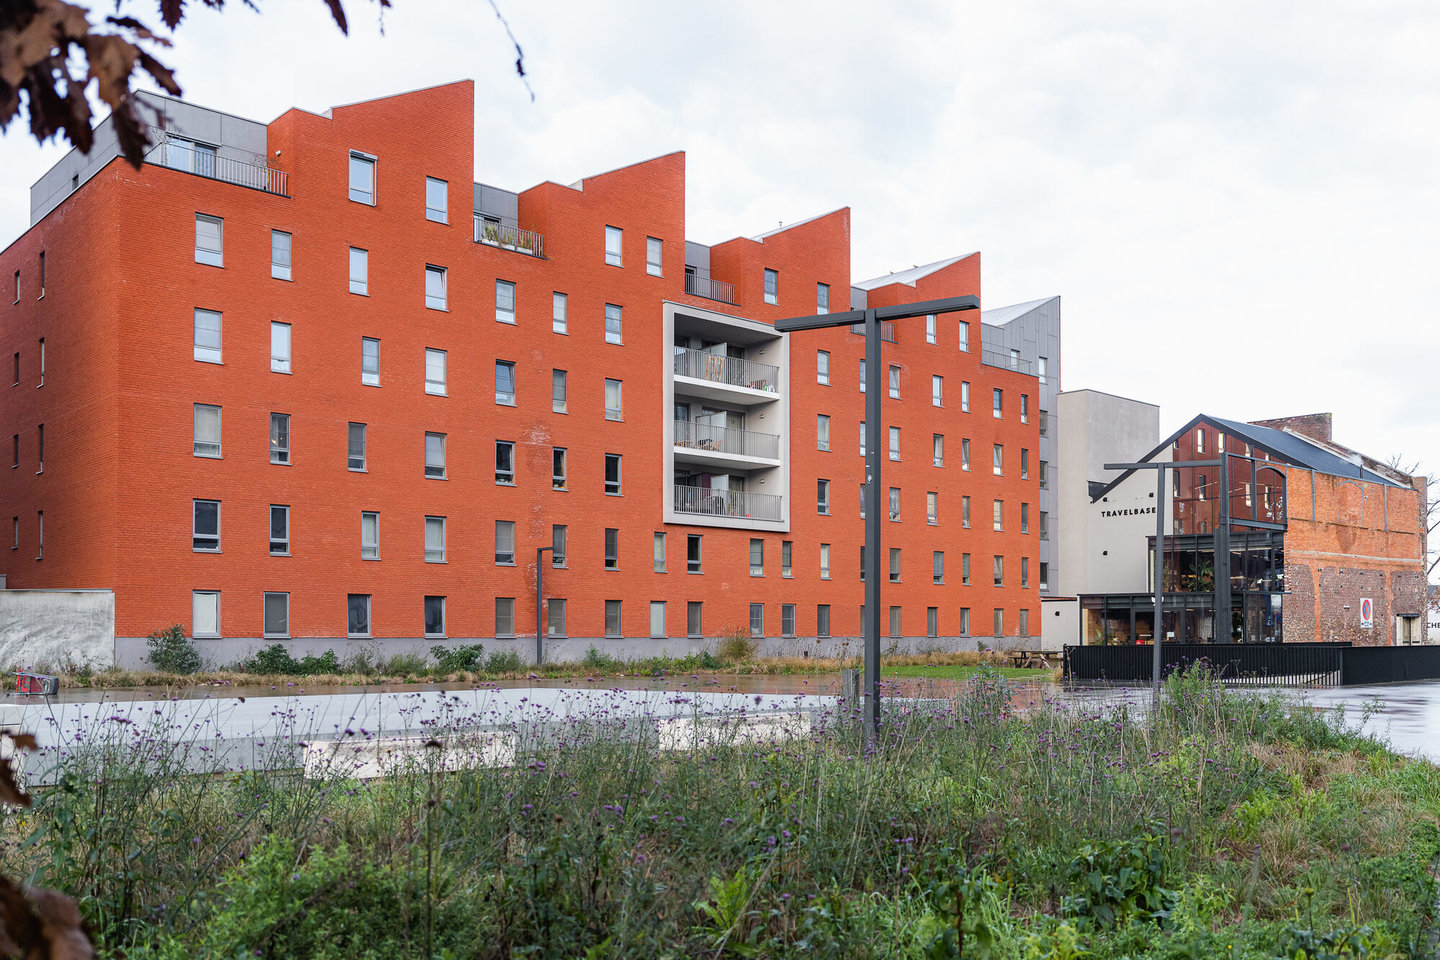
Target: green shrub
{"points": [[504, 662], [327, 662], [172, 651], [736, 646], [272, 659], [601, 662], [406, 664], [467, 657], [1113, 881]]}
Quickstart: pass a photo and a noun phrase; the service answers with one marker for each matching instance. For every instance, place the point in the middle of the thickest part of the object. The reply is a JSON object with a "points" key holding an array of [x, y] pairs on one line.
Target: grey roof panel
{"points": [[909, 277], [1000, 316]]}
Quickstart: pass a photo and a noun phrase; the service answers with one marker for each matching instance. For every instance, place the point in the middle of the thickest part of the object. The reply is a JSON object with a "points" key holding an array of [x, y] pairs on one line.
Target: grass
{"points": [[1227, 824], [965, 672]]}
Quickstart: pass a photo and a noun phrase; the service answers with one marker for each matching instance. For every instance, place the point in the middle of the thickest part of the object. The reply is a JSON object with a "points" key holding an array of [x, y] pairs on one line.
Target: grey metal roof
{"points": [[1000, 316], [790, 226], [908, 277], [1284, 446]]}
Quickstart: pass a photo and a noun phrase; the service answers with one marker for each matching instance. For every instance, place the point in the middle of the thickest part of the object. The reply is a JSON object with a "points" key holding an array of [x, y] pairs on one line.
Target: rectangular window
{"points": [[937, 391], [757, 619], [1043, 369], [437, 196], [505, 462], [279, 438], [357, 615], [209, 242], [558, 399], [822, 497], [362, 178], [657, 618], [997, 460], [824, 561], [613, 323], [504, 302], [694, 624], [206, 527], [929, 328], [504, 616], [937, 562], [279, 529], [999, 571], [614, 408], [964, 621], [276, 621], [1024, 518], [435, 372], [207, 339], [280, 254], [863, 378], [612, 618], [434, 539], [894, 383], [205, 613], [559, 545], [279, 347], [862, 438], [894, 443], [558, 471], [369, 535], [434, 616], [895, 622], [772, 283], [505, 543], [612, 548], [757, 558], [613, 237], [558, 303], [42, 276], [965, 569], [965, 335], [356, 449], [1044, 475], [998, 510], [612, 473], [999, 622], [370, 361], [653, 257], [822, 367], [435, 455], [1024, 464], [997, 403], [787, 619], [359, 271], [435, 297], [822, 620], [207, 430], [822, 432], [894, 564], [822, 298], [894, 503], [932, 507], [1044, 423], [694, 556], [1044, 575], [1024, 408], [787, 550], [932, 621], [937, 449], [1024, 628], [965, 511], [555, 607], [1025, 572], [505, 383], [659, 550], [40, 447], [1044, 525]]}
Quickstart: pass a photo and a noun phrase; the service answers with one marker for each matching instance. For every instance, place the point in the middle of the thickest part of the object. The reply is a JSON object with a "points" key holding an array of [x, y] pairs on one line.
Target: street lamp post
{"points": [[540, 604], [872, 318]]}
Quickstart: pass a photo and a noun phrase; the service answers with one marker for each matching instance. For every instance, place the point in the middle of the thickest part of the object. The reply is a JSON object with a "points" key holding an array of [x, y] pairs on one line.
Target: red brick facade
{"points": [[121, 382]]}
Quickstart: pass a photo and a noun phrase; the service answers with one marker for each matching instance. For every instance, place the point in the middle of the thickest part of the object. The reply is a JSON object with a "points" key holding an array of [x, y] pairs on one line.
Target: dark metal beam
{"points": [[820, 322], [900, 311]]}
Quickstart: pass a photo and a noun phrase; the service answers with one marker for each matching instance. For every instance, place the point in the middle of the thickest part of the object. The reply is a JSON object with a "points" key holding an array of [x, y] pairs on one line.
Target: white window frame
{"points": [[437, 190], [657, 619], [505, 477], [504, 536], [824, 561], [822, 431], [435, 295], [279, 444], [937, 449], [212, 597], [614, 246], [436, 374], [505, 301], [964, 396], [822, 497], [370, 348], [364, 457], [822, 367], [280, 345], [772, 285], [501, 398], [204, 352], [997, 403], [425, 617], [364, 164], [213, 256], [894, 377], [559, 391], [283, 541], [434, 554], [435, 466], [660, 551], [360, 271], [614, 488], [937, 390], [964, 336], [559, 306], [370, 548], [614, 323], [202, 444], [281, 270], [195, 535], [822, 298], [654, 256], [930, 328], [281, 597], [614, 389], [559, 478], [894, 443]]}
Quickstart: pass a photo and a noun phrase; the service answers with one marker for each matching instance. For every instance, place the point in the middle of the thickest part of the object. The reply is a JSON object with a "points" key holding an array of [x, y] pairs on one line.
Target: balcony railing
{"points": [[183, 155], [709, 289], [507, 237], [887, 330], [996, 358], [726, 503], [718, 439], [733, 371]]}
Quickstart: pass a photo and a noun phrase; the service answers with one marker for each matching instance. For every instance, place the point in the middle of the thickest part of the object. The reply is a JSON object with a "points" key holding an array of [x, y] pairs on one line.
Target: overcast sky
{"points": [[1237, 202]]}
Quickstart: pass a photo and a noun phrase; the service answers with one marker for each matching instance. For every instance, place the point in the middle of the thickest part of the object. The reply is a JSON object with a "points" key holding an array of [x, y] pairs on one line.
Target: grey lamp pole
{"points": [[1160, 467], [878, 434], [540, 604]]}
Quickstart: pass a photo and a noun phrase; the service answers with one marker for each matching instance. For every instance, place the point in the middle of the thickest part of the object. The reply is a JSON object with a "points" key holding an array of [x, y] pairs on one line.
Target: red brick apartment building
{"points": [[308, 381]]}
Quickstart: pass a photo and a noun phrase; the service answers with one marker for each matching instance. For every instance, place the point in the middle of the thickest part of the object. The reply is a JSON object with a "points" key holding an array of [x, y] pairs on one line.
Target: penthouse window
{"points": [[209, 241], [504, 301], [435, 287], [359, 271], [613, 236], [362, 178], [437, 193], [205, 535], [207, 430], [772, 283], [207, 339], [280, 254]]}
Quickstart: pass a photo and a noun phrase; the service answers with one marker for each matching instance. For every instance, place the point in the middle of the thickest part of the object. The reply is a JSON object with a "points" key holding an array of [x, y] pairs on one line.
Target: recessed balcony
{"points": [[701, 501], [703, 443], [718, 377]]}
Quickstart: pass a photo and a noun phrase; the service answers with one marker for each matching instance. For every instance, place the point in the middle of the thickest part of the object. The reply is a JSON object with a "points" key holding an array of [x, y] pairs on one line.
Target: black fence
{"points": [[1264, 664]]}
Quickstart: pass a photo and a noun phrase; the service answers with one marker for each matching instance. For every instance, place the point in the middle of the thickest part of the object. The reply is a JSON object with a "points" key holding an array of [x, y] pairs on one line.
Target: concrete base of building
{"points": [[56, 629], [226, 653]]}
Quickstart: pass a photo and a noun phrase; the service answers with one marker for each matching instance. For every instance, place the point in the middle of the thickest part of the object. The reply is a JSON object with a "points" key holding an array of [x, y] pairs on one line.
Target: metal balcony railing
{"points": [[726, 503], [997, 358], [718, 439], [507, 237], [887, 330], [182, 155], [733, 371], [709, 289]]}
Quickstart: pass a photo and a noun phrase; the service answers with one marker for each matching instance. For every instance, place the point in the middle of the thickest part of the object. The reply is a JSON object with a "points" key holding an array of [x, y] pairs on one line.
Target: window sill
{"points": [[559, 489], [275, 636], [612, 569], [282, 372], [510, 322], [436, 478], [360, 293], [609, 494], [275, 554], [504, 563], [504, 483], [371, 559], [435, 393], [203, 550], [504, 403], [439, 309], [357, 636], [436, 561], [358, 470]]}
